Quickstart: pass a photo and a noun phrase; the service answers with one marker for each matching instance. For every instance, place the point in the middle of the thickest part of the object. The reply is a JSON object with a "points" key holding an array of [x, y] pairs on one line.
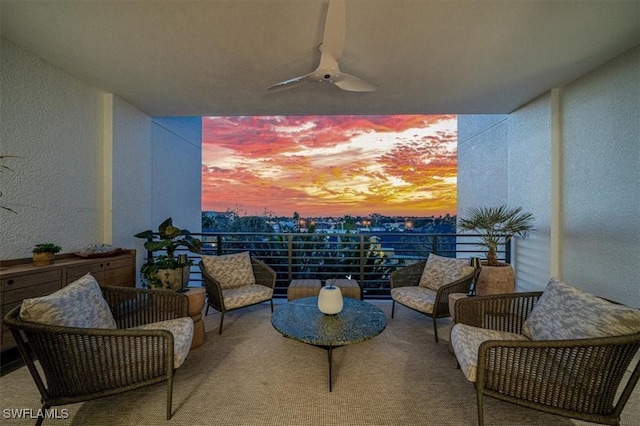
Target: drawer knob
{"points": [[9, 282]]}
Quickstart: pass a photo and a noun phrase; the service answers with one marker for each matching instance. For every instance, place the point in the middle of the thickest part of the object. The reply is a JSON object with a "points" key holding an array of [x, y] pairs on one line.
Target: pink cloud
{"points": [[312, 164]]}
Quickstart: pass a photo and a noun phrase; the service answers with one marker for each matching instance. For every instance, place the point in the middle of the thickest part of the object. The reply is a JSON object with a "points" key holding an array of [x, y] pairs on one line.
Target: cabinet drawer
{"points": [[28, 280], [122, 280], [96, 269], [119, 263], [15, 296]]}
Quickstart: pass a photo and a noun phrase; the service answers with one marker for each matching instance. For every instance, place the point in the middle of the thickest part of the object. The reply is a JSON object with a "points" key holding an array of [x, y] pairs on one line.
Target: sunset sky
{"points": [[398, 165]]}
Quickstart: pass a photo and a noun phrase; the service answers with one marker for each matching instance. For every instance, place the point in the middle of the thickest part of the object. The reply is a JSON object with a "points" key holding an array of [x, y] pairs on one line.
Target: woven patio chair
{"points": [[575, 378], [425, 286], [81, 364], [236, 281]]}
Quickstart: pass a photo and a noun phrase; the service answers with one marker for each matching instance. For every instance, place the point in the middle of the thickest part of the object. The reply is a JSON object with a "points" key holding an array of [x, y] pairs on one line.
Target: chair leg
{"points": [[169, 396], [207, 311], [271, 305], [435, 329], [40, 419], [221, 321], [480, 402], [393, 307]]}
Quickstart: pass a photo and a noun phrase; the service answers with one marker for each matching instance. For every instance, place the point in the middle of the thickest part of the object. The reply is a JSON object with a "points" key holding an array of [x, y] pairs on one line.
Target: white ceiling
{"points": [[217, 57]]}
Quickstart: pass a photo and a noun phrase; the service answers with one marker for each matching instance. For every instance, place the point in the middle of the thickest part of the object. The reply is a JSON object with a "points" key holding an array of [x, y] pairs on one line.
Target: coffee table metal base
{"points": [[329, 354]]}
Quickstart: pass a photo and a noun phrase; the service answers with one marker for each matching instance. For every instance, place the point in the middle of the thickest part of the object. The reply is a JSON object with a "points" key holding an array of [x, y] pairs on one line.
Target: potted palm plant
{"points": [[496, 227], [44, 254], [165, 271]]}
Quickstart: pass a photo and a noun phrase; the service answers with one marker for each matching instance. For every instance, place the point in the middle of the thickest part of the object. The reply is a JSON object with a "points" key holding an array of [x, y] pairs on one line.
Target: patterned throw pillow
{"points": [[565, 312], [230, 270], [80, 304], [441, 270]]}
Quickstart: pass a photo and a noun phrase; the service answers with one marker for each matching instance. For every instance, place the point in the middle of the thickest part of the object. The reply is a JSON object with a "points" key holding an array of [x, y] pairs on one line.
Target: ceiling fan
{"points": [[330, 52]]}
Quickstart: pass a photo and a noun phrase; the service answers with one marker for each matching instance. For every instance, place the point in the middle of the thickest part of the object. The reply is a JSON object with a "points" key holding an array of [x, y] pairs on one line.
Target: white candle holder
{"points": [[330, 300]]}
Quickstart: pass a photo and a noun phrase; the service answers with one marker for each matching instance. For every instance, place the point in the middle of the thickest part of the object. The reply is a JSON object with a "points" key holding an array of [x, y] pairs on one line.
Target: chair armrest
{"points": [[504, 312], [214, 290], [132, 307], [578, 375], [264, 274], [408, 275], [462, 285]]}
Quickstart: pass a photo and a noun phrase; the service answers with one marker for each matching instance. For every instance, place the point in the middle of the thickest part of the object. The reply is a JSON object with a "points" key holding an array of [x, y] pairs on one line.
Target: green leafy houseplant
{"points": [[496, 226], [167, 238], [47, 248]]}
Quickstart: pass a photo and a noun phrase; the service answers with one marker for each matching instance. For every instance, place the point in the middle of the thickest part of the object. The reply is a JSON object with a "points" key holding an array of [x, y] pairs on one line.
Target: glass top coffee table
{"points": [[301, 320]]}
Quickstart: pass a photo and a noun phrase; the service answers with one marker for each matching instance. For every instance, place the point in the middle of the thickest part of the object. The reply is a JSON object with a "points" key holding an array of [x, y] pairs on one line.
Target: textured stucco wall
{"points": [[131, 201], [598, 179], [482, 161], [482, 166], [52, 122], [601, 182], [529, 187], [81, 151], [176, 171], [92, 168]]}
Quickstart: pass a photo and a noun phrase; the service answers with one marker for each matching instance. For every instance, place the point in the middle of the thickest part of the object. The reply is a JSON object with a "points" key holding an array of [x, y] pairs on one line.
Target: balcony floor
{"points": [[252, 375]]}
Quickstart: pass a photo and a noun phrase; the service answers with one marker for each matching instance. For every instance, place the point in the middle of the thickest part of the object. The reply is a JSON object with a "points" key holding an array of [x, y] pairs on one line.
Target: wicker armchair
{"points": [[225, 299], [576, 378], [81, 364], [433, 303]]}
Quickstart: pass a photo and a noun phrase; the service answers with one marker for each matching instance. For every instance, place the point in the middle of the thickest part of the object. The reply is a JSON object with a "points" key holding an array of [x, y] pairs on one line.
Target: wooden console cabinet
{"points": [[20, 279]]}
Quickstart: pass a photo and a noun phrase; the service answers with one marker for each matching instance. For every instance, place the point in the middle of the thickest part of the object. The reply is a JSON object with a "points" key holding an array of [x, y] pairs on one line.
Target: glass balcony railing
{"points": [[368, 258]]}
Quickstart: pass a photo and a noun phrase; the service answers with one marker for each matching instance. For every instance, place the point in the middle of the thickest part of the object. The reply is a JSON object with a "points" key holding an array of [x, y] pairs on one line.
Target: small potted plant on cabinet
{"points": [[44, 254], [496, 226], [165, 271]]}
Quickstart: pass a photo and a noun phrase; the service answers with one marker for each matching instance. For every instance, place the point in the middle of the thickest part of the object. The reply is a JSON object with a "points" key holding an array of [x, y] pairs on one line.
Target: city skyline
{"points": [[330, 165]]}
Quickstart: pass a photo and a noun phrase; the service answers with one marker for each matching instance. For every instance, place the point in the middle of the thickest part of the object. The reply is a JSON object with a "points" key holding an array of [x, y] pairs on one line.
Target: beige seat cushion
{"points": [[246, 295], [230, 270], [419, 298], [79, 304], [182, 331], [466, 340]]}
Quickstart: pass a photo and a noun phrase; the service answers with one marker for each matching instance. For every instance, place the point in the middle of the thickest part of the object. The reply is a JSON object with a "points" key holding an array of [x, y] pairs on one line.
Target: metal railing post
{"points": [[149, 252], [362, 259], [290, 257]]}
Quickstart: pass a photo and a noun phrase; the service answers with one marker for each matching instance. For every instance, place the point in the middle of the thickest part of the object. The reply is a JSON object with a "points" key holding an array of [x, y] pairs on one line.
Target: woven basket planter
{"points": [[43, 259]]}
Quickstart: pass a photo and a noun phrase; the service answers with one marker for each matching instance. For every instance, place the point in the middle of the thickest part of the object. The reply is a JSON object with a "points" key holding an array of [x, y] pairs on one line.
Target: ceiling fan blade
{"points": [[334, 30], [353, 84], [331, 50], [291, 83]]}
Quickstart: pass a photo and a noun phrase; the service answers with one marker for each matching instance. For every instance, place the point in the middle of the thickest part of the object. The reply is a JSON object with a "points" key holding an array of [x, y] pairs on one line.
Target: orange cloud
{"points": [[331, 165]]}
